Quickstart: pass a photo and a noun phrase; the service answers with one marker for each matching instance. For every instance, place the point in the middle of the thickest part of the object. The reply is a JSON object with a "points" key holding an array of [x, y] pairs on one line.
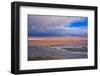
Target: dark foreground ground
{"points": [[53, 53]]}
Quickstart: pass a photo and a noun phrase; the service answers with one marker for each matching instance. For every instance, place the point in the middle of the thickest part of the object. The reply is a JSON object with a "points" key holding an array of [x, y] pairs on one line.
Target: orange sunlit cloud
{"points": [[45, 41]]}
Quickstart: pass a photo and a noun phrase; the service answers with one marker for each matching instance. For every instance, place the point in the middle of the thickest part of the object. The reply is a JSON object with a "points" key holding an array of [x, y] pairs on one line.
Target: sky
{"points": [[50, 26]]}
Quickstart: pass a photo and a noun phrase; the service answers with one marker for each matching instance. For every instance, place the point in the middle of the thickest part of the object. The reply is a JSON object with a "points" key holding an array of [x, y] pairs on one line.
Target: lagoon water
{"points": [[54, 52]]}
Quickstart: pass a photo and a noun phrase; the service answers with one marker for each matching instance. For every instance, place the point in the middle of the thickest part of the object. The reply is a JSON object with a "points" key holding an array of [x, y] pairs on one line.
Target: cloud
{"points": [[51, 20], [57, 26]]}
